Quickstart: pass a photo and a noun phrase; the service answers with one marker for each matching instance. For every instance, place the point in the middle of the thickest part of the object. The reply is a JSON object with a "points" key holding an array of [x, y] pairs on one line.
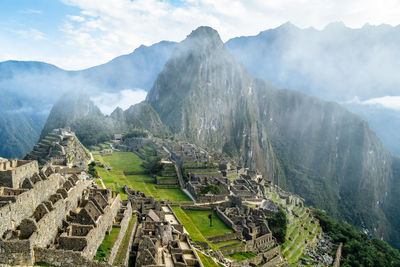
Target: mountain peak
{"points": [[204, 36]]}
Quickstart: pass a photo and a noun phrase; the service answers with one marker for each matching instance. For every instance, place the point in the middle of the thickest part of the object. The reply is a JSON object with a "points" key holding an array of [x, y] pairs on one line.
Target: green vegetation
{"points": [[202, 222], [104, 250], [211, 188], [126, 161], [130, 162], [240, 256], [135, 133], [92, 170], [207, 261], [278, 225], [189, 225], [123, 248], [358, 248]]}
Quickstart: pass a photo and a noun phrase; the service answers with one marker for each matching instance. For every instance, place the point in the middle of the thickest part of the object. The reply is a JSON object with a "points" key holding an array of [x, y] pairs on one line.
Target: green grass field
{"points": [[198, 226], [193, 231], [206, 260], [130, 162], [240, 256], [202, 222], [104, 249]]}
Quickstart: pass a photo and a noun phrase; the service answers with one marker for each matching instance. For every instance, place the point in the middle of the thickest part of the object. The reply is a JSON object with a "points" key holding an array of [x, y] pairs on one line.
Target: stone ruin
{"points": [[60, 148], [159, 239], [250, 225], [57, 216]]}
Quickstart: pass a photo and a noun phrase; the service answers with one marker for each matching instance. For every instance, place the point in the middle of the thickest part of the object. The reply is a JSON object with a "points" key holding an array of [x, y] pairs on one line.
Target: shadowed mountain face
{"points": [[311, 147]]}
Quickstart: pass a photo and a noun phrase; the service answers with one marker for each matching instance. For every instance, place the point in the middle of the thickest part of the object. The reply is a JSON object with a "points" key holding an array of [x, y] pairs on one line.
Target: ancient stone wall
{"points": [[193, 207], [11, 215], [48, 225], [222, 238], [172, 180], [104, 222], [67, 258], [124, 225], [226, 220], [16, 252], [272, 253], [13, 178]]}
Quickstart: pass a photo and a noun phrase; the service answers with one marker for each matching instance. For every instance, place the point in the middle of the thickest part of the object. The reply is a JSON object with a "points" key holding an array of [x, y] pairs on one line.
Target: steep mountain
{"points": [[314, 148], [82, 116], [91, 126], [35, 86], [138, 69], [336, 63]]}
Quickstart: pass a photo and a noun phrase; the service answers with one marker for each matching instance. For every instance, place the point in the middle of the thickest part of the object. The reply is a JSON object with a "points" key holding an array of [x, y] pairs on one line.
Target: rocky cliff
{"points": [[314, 148]]}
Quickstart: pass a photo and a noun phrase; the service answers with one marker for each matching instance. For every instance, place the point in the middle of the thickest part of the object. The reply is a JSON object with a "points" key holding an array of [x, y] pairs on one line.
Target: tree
{"points": [[278, 225]]}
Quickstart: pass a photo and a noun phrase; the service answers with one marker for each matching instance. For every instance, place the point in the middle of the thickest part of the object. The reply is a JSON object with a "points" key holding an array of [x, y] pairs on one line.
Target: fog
{"points": [[357, 68], [108, 102]]}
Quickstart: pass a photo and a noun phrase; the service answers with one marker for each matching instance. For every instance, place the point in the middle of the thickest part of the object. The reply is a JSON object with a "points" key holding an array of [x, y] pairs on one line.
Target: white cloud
{"points": [[32, 34], [389, 102], [107, 102], [76, 18], [112, 27]]}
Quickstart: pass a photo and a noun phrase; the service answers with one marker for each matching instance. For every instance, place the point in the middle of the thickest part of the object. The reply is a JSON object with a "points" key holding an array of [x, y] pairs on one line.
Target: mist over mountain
{"points": [[36, 86], [337, 64]]}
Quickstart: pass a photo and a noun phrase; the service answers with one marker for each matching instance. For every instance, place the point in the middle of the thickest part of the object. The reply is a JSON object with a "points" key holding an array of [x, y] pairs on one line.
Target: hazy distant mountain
{"points": [[36, 86], [336, 64], [91, 126], [136, 70], [19, 127], [314, 148]]}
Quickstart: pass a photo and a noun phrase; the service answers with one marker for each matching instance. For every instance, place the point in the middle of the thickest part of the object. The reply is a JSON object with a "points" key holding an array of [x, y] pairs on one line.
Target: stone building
{"points": [[57, 216], [159, 239]]}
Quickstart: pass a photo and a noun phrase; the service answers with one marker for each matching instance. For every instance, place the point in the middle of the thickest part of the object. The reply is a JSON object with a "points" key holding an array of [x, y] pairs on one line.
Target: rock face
{"points": [[314, 148], [336, 63]]}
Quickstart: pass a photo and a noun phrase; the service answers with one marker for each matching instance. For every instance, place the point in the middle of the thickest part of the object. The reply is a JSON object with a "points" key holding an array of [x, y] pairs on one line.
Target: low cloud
{"points": [[388, 102], [107, 102]]}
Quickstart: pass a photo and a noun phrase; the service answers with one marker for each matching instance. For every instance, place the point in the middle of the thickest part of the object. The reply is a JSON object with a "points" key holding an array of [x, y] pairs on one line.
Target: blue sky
{"points": [[75, 34]]}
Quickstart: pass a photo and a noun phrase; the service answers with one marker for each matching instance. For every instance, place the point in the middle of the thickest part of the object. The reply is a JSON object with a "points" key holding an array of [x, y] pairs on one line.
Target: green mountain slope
{"points": [[91, 126]]}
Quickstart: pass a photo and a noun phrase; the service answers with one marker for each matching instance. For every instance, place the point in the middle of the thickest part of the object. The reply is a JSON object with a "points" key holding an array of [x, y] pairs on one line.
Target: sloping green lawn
{"points": [[202, 222], [130, 162]]}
